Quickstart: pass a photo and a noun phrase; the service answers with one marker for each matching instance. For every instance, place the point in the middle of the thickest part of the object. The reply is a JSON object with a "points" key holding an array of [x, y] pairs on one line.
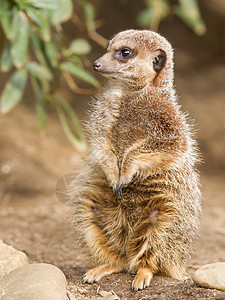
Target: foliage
{"points": [[157, 10], [32, 46]]}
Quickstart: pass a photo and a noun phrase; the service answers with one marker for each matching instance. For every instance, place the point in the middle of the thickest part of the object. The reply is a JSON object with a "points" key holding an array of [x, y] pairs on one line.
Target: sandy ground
{"points": [[34, 221]]}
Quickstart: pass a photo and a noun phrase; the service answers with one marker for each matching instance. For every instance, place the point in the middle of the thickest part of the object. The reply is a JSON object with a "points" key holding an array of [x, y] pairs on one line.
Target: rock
{"points": [[211, 276], [10, 259], [35, 281]]}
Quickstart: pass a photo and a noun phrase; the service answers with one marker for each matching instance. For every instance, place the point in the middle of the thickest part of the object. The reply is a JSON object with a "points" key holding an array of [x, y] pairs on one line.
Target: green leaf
{"points": [[75, 141], [40, 103], [45, 28], [89, 11], [39, 71], [144, 18], [63, 12], [14, 26], [6, 19], [79, 47], [38, 49], [76, 60], [42, 20], [13, 91], [155, 12], [52, 52], [46, 4], [35, 15], [9, 18], [6, 60], [76, 123], [19, 45], [79, 73], [189, 6], [188, 11]]}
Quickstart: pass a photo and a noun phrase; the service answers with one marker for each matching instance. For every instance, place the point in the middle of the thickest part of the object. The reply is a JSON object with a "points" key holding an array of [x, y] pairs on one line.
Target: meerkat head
{"points": [[138, 57]]}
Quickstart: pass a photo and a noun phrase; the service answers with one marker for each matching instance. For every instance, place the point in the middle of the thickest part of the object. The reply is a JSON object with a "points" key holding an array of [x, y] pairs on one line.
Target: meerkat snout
{"points": [[97, 65]]}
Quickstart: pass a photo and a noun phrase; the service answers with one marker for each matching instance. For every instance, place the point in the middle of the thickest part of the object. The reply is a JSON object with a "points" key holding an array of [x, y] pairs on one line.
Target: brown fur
{"points": [[137, 204]]}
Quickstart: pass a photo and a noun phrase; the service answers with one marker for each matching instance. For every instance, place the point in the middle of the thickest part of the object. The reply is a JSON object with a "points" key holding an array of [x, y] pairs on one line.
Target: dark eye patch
{"points": [[124, 54]]}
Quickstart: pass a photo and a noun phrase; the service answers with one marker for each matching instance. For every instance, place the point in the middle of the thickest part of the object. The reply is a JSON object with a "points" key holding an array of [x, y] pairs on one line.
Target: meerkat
{"points": [[137, 203]]}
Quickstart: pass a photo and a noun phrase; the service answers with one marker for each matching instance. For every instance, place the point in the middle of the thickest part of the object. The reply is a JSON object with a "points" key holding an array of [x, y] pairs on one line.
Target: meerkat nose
{"points": [[97, 65]]}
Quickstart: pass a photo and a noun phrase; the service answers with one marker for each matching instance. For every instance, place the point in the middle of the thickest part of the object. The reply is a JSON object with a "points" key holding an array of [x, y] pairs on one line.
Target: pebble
{"points": [[211, 276], [10, 259], [34, 282]]}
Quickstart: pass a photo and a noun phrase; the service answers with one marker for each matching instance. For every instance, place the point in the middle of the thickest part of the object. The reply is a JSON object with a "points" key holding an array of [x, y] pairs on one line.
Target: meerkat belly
{"points": [[115, 220], [113, 227]]}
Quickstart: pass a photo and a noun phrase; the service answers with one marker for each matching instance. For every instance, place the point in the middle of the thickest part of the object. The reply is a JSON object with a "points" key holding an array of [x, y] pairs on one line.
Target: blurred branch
{"points": [[90, 22], [73, 86], [189, 12], [91, 31], [78, 22], [98, 38], [2, 40]]}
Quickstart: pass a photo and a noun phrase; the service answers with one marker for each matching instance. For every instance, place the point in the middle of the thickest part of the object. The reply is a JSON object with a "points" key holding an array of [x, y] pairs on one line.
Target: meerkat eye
{"points": [[124, 53]]}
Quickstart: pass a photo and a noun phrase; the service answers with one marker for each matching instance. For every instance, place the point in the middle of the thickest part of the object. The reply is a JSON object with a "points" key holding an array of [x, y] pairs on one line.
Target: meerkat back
{"points": [[137, 203]]}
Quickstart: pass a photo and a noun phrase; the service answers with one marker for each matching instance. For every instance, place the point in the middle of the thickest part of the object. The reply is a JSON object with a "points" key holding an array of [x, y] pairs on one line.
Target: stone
{"points": [[10, 259], [211, 276], [38, 281]]}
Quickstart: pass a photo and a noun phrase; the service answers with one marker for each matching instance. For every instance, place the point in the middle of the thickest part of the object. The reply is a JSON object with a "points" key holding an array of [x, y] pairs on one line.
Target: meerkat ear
{"points": [[159, 60]]}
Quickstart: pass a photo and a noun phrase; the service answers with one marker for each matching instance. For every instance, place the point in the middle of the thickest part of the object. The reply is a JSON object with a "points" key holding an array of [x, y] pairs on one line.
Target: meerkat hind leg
{"points": [[97, 273], [142, 279]]}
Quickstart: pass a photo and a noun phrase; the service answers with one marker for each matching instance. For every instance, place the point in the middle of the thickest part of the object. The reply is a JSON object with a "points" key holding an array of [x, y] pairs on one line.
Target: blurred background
{"points": [[46, 84]]}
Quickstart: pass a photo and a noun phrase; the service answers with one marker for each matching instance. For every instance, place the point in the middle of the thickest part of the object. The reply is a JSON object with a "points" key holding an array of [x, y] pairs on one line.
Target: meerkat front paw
{"points": [[142, 279], [118, 188], [95, 274], [124, 181], [118, 191]]}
